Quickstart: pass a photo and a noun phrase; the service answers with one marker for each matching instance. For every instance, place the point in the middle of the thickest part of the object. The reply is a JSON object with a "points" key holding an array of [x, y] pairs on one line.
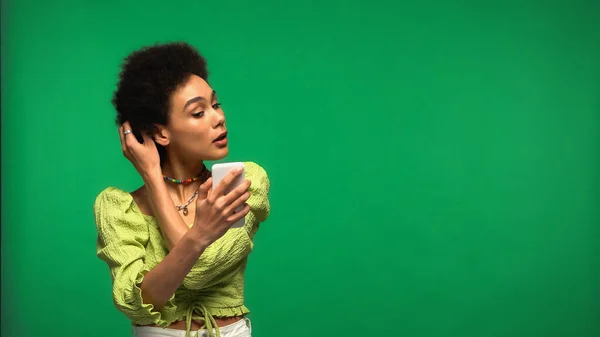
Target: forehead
{"points": [[194, 87]]}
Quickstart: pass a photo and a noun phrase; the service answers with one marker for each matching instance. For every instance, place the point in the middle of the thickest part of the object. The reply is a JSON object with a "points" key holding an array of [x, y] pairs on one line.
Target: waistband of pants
{"points": [[232, 329]]}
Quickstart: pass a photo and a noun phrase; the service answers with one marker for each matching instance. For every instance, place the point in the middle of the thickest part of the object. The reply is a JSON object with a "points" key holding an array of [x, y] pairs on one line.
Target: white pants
{"points": [[241, 328]]}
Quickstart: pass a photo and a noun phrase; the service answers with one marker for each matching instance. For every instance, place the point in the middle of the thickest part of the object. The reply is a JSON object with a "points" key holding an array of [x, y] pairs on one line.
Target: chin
{"points": [[218, 155]]}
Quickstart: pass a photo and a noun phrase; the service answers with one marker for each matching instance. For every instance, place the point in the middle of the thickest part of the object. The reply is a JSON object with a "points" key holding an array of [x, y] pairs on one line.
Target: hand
{"points": [[215, 211], [144, 157]]}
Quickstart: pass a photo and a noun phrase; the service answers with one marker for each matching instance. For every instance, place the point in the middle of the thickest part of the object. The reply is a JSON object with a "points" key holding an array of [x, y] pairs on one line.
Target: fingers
{"points": [[237, 216], [226, 204], [237, 192], [130, 139], [129, 142], [220, 189], [204, 188], [122, 137], [222, 202], [237, 203], [147, 139]]}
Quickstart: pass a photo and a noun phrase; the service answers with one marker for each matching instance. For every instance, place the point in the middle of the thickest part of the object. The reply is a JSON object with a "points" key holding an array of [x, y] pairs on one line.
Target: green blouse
{"points": [[131, 244]]}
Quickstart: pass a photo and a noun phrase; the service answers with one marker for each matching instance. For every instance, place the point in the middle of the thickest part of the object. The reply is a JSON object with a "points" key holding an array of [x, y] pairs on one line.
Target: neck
{"points": [[182, 170]]}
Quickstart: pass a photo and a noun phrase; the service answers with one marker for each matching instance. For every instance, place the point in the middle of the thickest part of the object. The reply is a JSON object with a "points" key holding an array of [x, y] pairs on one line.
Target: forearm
{"points": [[171, 224], [162, 281]]}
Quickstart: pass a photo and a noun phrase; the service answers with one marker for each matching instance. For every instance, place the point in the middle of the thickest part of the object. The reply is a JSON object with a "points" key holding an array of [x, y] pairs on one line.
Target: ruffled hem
{"points": [[229, 312], [240, 310], [156, 316]]}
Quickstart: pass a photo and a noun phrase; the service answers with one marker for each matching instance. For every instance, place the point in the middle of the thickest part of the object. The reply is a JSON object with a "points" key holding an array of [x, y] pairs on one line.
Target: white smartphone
{"points": [[219, 171]]}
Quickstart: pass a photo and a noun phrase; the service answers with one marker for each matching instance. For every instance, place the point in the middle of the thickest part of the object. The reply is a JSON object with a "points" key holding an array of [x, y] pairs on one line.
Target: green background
{"points": [[434, 166]]}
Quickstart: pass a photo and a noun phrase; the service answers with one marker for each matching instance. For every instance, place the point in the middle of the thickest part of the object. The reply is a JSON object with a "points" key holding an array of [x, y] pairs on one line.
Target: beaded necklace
{"points": [[184, 207], [179, 181]]}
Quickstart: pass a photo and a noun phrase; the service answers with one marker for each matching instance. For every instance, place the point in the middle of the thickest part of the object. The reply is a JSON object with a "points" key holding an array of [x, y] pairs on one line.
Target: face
{"points": [[196, 128]]}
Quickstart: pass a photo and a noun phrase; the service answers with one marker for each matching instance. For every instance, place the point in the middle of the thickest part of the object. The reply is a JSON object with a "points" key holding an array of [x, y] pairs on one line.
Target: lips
{"points": [[221, 137]]}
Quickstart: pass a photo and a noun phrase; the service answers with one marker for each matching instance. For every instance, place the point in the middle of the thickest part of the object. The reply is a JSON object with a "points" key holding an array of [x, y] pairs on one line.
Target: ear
{"points": [[161, 135]]}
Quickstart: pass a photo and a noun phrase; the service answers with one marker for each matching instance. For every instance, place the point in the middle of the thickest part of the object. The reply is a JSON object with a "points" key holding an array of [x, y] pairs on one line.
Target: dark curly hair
{"points": [[147, 79]]}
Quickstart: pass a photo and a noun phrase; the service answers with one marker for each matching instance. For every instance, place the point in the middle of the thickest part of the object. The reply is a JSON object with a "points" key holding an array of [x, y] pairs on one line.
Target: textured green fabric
{"points": [[131, 244]]}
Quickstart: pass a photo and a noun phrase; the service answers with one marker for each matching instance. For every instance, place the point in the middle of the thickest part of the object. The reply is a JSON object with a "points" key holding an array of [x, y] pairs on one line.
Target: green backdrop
{"points": [[434, 166]]}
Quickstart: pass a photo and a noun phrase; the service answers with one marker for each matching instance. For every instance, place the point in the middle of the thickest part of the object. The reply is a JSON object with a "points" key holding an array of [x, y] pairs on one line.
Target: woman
{"points": [[176, 264]]}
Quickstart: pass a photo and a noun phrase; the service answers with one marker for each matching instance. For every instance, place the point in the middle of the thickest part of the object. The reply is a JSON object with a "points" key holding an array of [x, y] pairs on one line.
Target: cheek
{"points": [[200, 142], [193, 136], [191, 142], [193, 130]]}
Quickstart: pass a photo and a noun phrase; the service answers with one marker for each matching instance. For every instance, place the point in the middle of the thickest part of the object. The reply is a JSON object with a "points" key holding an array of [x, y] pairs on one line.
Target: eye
{"points": [[216, 106], [198, 114]]}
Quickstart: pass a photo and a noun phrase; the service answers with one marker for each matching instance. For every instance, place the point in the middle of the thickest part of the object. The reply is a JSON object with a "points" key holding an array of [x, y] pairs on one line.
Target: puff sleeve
{"points": [[122, 238], [259, 194], [226, 254]]}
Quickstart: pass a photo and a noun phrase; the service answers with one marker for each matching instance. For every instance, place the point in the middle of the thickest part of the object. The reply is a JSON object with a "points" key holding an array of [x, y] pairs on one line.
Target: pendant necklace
{"points": [[203, 175], [184, 207]]}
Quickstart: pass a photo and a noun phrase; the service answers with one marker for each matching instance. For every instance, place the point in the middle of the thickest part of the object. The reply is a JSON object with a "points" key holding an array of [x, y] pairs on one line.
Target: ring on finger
{"points": [[126, 132]]}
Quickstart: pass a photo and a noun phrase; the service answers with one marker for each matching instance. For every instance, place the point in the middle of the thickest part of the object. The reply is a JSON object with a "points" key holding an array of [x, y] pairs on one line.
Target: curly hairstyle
{"points": [[148, 78]]}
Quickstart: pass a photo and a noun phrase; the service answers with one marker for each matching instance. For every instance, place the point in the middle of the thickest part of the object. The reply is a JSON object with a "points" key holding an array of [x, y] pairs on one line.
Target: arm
{"points": [[122, 237], [146, 160], [224, 255], [160, 283], [139, 293], [180, 240], [214, 216], [172, 225]]}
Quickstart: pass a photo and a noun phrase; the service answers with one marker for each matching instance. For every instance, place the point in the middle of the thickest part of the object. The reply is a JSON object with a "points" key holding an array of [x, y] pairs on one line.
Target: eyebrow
{"points": [[198, 99]]}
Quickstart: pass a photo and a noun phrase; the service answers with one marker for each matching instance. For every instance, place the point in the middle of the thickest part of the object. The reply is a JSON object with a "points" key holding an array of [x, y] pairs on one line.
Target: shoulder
{"points": [[118, 219], [115, 202], [259, 191], [115, 211], [113, 197], [254, 171]]}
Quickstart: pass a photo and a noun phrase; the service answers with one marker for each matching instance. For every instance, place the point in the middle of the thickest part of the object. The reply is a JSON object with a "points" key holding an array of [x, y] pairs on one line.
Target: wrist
{"points": [[192, 238], [154, 179]]}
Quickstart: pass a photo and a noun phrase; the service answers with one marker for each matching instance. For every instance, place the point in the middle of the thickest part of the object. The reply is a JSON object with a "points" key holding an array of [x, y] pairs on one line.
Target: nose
{"points": [[218, 118]]}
